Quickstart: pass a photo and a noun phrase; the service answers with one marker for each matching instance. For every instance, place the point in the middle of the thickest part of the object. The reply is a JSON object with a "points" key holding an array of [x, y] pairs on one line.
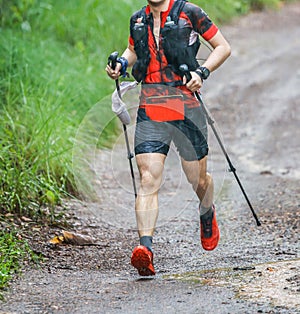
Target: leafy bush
{"points": [[16, 11]]}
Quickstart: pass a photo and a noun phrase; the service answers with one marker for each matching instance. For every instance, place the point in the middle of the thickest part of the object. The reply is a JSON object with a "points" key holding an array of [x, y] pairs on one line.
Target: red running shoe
{"points": [[142, 260], [210, 233]]}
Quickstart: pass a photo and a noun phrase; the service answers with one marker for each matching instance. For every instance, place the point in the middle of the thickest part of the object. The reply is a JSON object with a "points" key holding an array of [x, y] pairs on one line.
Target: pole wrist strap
{"points": [[124, 65]]}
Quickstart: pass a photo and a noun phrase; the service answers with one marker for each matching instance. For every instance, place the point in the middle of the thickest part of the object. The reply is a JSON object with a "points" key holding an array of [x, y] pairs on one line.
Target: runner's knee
{"points": [[204, 182], [149, 183], [150, 177]]}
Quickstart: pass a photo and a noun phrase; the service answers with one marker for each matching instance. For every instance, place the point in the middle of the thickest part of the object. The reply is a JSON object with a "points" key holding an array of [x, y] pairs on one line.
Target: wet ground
{"points": [[254, 99]]}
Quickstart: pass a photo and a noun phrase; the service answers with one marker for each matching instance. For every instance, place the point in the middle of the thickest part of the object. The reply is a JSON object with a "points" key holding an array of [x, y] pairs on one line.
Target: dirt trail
{"points": [[254, 98]]}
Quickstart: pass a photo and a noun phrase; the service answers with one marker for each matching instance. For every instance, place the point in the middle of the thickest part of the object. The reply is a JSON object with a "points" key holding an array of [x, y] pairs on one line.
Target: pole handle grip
{"points": [[184, 70], [112, 59]]}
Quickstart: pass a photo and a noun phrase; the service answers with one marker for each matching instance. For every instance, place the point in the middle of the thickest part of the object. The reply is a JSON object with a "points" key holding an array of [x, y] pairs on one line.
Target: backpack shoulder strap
{"points": [[143, 14], [139, 14], [176, 10]]}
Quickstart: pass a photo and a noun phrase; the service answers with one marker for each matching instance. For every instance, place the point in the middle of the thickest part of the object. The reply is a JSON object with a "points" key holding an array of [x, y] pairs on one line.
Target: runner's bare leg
{"points": [[151, 167], [202, 182]]}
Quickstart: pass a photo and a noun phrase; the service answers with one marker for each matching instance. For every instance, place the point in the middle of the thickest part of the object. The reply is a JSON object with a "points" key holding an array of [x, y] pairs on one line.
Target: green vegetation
{"points": [[222, 11], [13, 253], [52, 60]]}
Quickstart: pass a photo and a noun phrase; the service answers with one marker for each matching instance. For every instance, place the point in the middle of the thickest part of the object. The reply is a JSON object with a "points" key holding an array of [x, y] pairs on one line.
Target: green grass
{"points": [[13, 252], [52, 60]]}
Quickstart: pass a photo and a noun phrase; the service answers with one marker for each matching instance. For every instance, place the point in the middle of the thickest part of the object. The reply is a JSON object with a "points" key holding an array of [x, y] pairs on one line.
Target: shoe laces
{"points": [[206, 221]]}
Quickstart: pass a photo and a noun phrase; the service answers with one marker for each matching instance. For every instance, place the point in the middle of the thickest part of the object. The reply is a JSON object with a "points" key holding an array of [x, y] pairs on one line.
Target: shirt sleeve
{"points": [[130, 41], [133, 20], [202, 24]]}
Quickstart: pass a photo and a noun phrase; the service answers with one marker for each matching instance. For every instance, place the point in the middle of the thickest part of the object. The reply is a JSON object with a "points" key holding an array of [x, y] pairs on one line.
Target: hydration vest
{"points": [[175, 42]]}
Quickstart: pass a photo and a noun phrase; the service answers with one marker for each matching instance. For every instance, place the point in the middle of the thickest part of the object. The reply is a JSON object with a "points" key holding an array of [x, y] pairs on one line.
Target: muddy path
{"points": [[254, 99]]}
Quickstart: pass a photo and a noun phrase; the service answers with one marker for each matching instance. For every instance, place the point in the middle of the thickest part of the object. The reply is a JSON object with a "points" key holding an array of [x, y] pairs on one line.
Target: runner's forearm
{"points": [[130, 55], [220, 53]]}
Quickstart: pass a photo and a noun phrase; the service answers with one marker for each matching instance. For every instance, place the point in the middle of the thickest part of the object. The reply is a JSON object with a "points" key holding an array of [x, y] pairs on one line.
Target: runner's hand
{"points": [[195, 83], [114, 74]]}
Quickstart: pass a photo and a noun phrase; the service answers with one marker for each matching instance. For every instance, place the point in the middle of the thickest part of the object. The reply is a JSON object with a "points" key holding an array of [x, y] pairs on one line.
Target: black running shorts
{"points": [[189, 135]]}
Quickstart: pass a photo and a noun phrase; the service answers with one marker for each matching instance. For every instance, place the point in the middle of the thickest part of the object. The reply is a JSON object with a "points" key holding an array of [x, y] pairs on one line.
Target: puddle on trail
{"points": [[277, 283]]}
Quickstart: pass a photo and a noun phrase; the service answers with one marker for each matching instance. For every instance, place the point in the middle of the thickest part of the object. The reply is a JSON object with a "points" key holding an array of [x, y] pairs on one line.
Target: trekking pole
{"points": [[185, 71], [112, 62]]}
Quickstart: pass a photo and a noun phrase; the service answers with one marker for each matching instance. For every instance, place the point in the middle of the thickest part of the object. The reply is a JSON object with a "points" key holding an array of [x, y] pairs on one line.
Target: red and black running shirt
{"points": [[201, 25]]}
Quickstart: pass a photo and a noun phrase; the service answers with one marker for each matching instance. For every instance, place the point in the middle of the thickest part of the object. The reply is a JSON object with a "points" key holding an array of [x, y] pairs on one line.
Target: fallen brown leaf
{"points": [[72, 238], [77, 239], [57, 240]]}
